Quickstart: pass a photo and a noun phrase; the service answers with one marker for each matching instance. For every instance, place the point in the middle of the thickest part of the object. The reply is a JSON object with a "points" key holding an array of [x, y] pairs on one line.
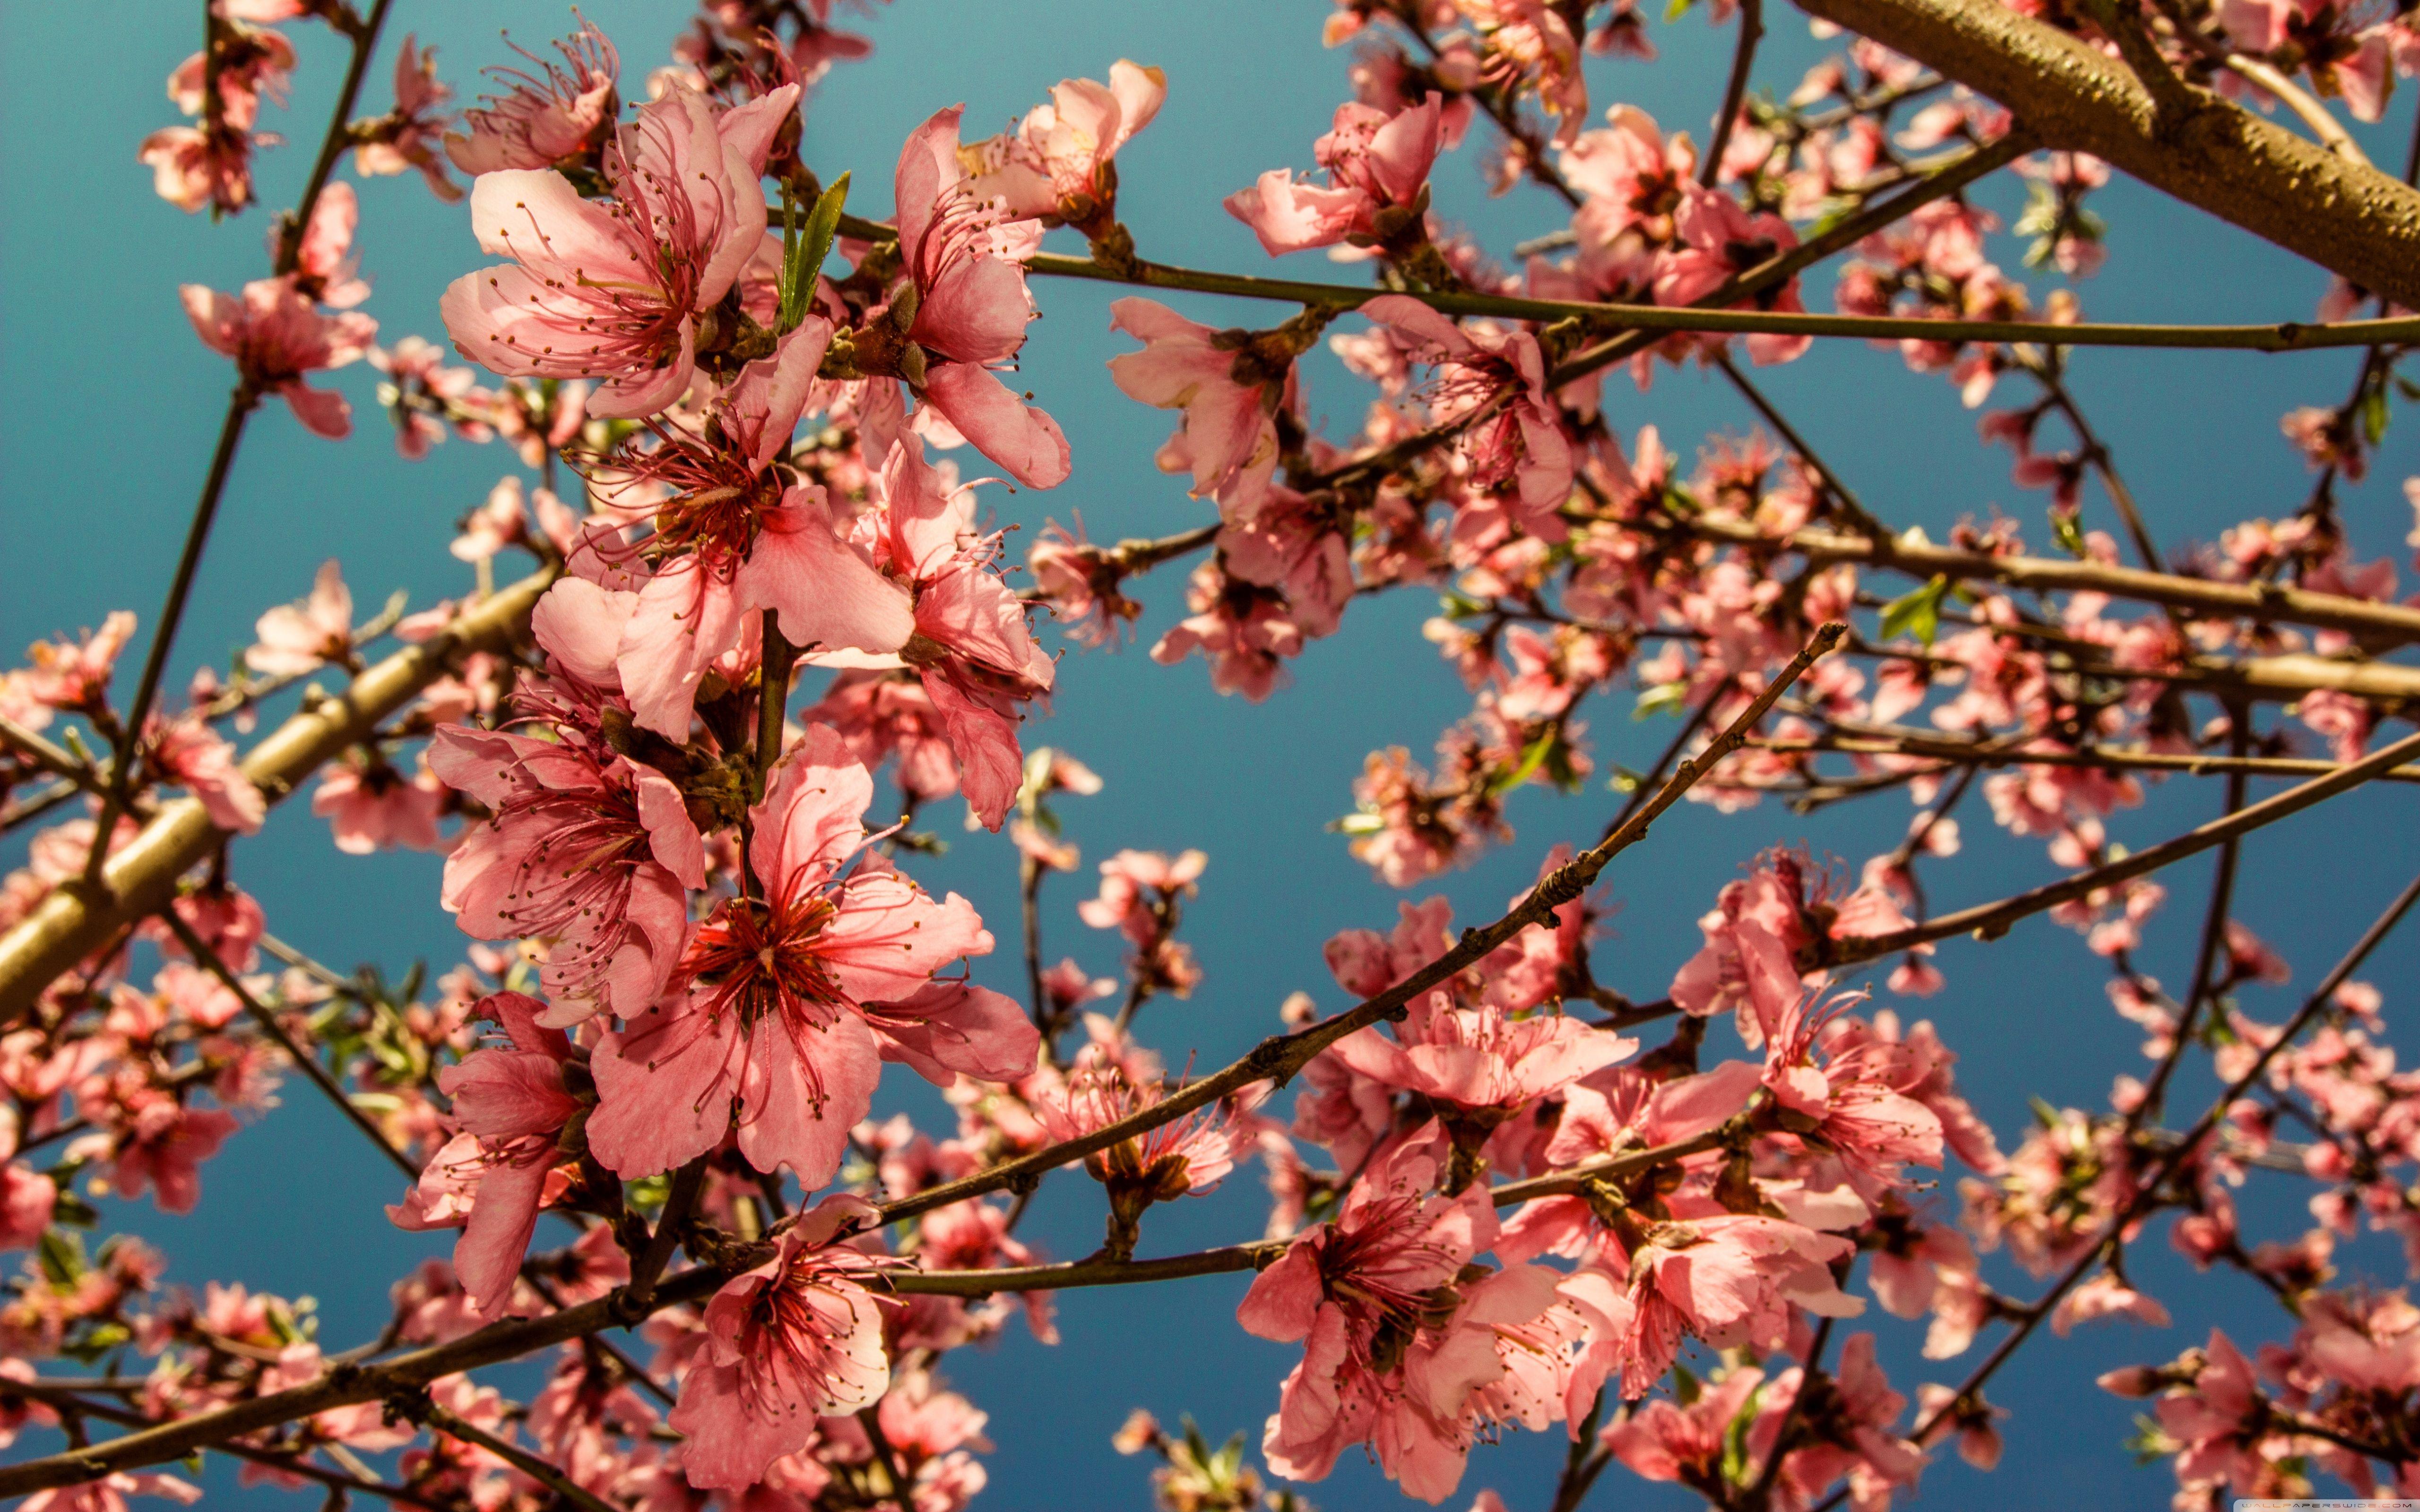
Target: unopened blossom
{"points": [[301, 637], [778, 1010], [612, 291], [970, 308], [563, 118], [1377, 190], [511, 1104], [275, 335], [798, 1338]]}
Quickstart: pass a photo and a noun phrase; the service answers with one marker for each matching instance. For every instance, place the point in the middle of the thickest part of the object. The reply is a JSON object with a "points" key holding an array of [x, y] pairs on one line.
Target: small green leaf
{"points": [[803, 251], [1664, 698], [1677, 9], [1917, 613], [2064, 531], [2374, 415], [1532, 760]]}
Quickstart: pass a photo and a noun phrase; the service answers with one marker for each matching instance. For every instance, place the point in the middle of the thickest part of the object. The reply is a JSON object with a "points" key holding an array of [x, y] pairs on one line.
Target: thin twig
{"points": [[305, 1057]]}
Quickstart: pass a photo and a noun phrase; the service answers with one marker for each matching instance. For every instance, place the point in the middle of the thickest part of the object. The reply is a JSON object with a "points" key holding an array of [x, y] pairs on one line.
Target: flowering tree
{"points": [[1505, 1194]]}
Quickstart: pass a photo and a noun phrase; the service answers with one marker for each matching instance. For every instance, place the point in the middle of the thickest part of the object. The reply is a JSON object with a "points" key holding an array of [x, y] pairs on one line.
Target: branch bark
{"points": [[2346, 217]]}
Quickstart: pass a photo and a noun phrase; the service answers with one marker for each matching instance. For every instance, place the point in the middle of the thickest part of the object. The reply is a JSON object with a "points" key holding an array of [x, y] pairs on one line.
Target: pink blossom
{"points": [[1728, 1278], [1663, 1441], [325, 268], [583, 848], [370, 806], [1377, 168], [566, 117], [408, 136], [971, 648], [774, 1005], [1056, 164], [275, 335], [302, 637], [1393, 1346], [797, 1338], [512, 1103], [612, 291], [1848, 1103], [1718, 240], [1222, 382], [1500, 378], [1246, 631], [187, 751], [733, 540], [972, 308]]}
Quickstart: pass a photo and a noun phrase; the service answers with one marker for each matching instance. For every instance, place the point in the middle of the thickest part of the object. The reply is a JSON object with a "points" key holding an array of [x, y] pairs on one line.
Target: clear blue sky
{"points": [[112, 404]]}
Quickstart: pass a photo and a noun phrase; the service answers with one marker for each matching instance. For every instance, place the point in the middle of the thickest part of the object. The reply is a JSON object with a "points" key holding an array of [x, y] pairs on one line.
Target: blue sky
{"points": [[113, 405]]}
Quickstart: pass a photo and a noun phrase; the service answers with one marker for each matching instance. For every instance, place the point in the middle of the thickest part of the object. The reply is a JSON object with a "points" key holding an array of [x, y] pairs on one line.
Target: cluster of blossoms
{"points": [[1493, 1205]]}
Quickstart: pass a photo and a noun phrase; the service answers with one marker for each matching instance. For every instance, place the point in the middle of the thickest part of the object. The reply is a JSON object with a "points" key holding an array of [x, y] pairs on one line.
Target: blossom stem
{"points": [[305, 1058], [1679, 742], [1988, 922], [672, 1226], [2198, 987], [69, 924], [418, 1406]]}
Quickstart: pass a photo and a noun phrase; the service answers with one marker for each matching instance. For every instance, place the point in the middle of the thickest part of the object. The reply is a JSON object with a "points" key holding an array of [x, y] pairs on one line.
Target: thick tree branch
{"points": [[141, 878], [2346, 217]]}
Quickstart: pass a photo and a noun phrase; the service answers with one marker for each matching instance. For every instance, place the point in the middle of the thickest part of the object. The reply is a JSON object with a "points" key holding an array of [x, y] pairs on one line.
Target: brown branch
{"points": [[1969, 753], [1734, 89], [1280, 1057], [2382, 623], [420, 1410], [1988, 922], [141, 878]]}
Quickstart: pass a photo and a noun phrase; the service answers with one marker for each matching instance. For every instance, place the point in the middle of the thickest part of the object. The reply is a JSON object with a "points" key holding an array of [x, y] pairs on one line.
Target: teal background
{"points": [[111, 406]]}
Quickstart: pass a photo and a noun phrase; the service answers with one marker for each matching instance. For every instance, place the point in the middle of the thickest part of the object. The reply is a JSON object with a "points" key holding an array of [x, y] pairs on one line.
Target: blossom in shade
{"points": [[776, 1008], [511, 1106], [276, 335], [611, 291], [971, 307], [583, 848], [187, 751], [370, 805], [798, 1338], [1225, 383], [544, 122]]}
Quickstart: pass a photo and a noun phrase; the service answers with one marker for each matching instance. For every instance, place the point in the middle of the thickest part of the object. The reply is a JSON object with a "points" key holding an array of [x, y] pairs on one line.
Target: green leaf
{"points": [[2374, 415], [2064, 531], [1532, 760], [1917, 613], [1664, 698], [1677, 9], [803, 251]]}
